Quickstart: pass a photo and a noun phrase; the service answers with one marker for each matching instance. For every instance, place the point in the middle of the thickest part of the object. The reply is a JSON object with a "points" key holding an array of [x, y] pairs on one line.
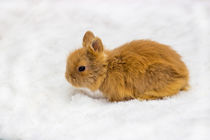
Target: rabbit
{"points": [[140, 69]]}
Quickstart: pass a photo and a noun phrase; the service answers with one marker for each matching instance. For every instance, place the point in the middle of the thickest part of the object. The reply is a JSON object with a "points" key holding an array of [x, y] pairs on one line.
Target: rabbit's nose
{"points": [[66, 75]]}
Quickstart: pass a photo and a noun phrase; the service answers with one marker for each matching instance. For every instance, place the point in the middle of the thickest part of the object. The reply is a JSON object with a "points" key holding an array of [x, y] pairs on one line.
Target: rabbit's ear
{"points": [[97, 45], [88, 38]]}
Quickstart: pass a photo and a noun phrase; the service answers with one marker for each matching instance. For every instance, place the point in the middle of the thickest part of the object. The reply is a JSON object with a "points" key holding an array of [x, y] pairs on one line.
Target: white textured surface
{"points": [[36, 102]]}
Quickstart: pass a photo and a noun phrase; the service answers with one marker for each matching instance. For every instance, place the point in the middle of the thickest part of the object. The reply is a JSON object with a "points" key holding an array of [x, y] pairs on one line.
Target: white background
{"points": [[36, 102]]}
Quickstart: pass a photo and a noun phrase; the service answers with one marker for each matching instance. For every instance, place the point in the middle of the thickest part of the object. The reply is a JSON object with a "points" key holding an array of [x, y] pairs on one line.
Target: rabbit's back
{"points": [[144, 66]]}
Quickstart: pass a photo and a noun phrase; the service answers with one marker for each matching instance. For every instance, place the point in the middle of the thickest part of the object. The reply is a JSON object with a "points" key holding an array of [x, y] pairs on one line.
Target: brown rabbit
{"points": [[140, 69]]}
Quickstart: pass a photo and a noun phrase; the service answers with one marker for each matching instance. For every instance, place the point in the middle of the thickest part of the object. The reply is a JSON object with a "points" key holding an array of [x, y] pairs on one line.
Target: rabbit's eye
{"points": [[81, 68]]}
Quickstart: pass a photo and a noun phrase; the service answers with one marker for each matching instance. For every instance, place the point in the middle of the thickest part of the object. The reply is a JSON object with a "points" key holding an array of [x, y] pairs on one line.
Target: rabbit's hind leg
{"points": [[185, 88], [169, 90]]}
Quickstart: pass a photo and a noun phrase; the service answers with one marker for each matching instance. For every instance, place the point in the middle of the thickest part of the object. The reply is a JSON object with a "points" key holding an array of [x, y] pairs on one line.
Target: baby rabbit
{"points": [[140, 69]]}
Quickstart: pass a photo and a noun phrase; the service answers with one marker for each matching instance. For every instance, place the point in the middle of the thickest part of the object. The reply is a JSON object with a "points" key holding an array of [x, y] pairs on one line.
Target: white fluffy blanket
{"points": [[36, 102]]}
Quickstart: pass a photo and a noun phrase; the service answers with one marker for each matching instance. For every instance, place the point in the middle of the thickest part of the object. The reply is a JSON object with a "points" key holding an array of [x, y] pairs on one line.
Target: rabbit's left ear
{"points": [[88, 38], [97, 45]]}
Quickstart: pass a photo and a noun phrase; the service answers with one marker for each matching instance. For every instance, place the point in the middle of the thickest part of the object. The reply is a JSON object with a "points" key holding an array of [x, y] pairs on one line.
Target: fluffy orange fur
{"points": [[141, 69]]}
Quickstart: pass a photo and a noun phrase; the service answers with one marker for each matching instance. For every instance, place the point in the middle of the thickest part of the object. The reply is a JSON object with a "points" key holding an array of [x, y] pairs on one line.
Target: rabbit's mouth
{"points": [[73, 81], [70, 79]]}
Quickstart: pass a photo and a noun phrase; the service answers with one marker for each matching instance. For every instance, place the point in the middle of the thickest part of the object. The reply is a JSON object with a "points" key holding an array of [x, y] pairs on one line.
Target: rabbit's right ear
{"points": [[88, 38]]}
